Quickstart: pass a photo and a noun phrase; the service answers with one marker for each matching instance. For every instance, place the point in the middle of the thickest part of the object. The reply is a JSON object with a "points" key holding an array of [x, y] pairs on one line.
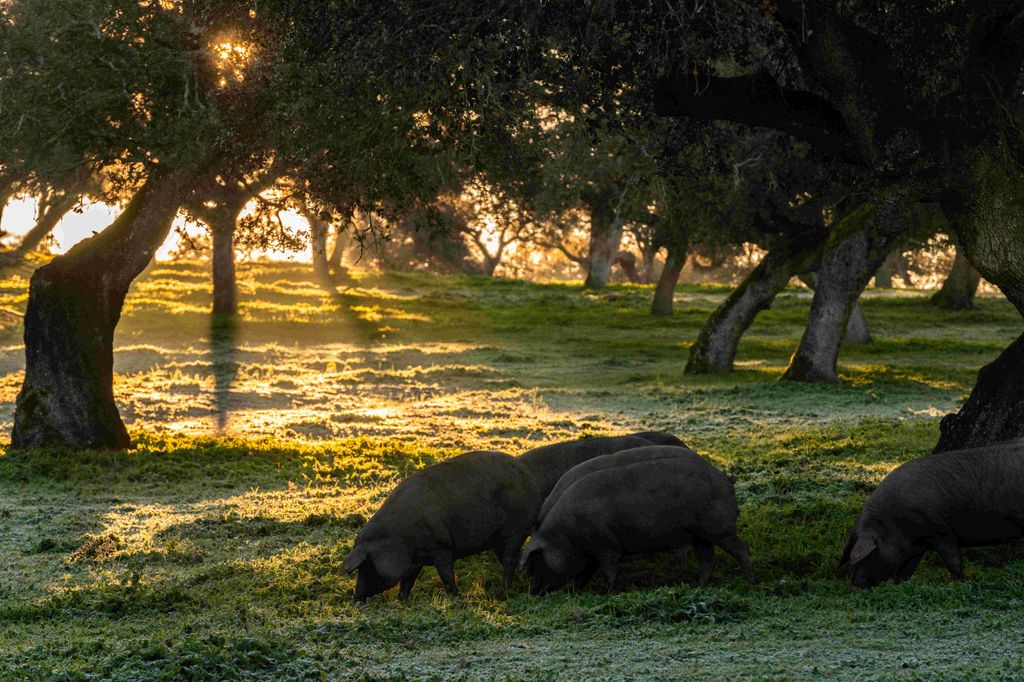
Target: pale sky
{"points": [[19, 216]]}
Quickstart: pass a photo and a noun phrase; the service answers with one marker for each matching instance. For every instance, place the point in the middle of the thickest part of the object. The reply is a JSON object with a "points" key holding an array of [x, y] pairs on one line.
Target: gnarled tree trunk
{"points": [[648, 255], [225, 286], [627, 261], [857, 331], [985, 207], [341, 241], [75, 301], [853, 254], [605, 236], [665, 291], [957, 292], [318, 229], [716, 345], [883, 276]]}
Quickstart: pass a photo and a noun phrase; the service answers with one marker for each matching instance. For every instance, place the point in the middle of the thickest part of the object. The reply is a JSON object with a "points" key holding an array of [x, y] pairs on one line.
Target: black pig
{"points": [[648, 506], [941, 502], [549, 462], [474, 502], [607, 462]]}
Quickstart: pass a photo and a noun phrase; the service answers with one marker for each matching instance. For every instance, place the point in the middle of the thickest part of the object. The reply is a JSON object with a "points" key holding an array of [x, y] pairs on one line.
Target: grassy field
{"points": [[211, 551]]}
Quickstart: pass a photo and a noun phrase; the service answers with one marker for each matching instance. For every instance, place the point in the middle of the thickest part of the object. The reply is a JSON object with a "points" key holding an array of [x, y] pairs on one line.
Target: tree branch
{"points": [[757, 100]]}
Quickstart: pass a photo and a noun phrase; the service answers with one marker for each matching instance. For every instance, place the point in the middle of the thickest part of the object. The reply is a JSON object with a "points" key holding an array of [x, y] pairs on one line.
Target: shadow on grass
{"points": [[162, 467]]}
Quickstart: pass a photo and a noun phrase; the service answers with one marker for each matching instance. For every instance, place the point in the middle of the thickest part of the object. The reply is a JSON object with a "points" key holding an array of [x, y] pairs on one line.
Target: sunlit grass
{"points": [[212, 550]]}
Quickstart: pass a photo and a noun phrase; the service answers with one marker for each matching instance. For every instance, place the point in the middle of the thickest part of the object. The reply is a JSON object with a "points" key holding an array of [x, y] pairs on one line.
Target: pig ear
{"points": [[354, 560], [847, 548], [534, 546], [865, 546]]}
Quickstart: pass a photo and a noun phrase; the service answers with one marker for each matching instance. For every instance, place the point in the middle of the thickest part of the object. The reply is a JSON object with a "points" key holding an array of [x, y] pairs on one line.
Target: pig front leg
{"points": [[408, 580], [581, 580]]}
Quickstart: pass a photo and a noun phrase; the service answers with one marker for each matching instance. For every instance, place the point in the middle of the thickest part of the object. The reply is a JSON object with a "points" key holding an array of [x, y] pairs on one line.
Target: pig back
{"points": [[615, 459], [978, 493], [462, 503], [547, 464], [650, 505]]}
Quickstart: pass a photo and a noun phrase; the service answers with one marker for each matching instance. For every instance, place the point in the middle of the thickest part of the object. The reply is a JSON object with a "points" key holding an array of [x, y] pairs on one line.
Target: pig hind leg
{"points": [[705, 552], [738, 549], [949, 553], [444, 562]]}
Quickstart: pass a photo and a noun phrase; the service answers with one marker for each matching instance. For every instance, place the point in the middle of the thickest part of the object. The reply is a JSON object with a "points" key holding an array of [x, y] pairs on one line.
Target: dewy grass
{"points": [[212, 550]]}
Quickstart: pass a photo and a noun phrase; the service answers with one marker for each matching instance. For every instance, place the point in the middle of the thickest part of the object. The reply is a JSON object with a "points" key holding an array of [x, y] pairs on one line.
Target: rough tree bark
{"points": [[852, 255], [883, 277], [627, 261], [857, 331], [664, 292], [894, 265], [75, 301], [605, 236], [225, 287], [648, 255], [957, 292], [318, 229], [716, 345], [985, 207], [341, 241]]}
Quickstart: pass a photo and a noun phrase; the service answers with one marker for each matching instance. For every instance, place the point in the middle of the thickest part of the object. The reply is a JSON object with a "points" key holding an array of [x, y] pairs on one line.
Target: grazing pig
{"points": [[652, 505], [548, 463], [942, 502], [615, 459], [659, 438], [470, 503]]}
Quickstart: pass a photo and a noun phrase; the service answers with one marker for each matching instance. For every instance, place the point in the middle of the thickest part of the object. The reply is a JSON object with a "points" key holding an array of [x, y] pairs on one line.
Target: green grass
{"points": [[211, 551]]}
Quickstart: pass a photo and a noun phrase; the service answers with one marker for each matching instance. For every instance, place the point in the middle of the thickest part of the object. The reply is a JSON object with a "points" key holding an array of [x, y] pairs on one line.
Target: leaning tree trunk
{"points": [[225, 286], [75, 301], [857, 331], [665, 291], [883, 276], [985, 207], [648, 254], [627, 261], [341, 240], [719, 338], [957, 292], [51, 215], [853, 254], [605, 236], [318, 229]]}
